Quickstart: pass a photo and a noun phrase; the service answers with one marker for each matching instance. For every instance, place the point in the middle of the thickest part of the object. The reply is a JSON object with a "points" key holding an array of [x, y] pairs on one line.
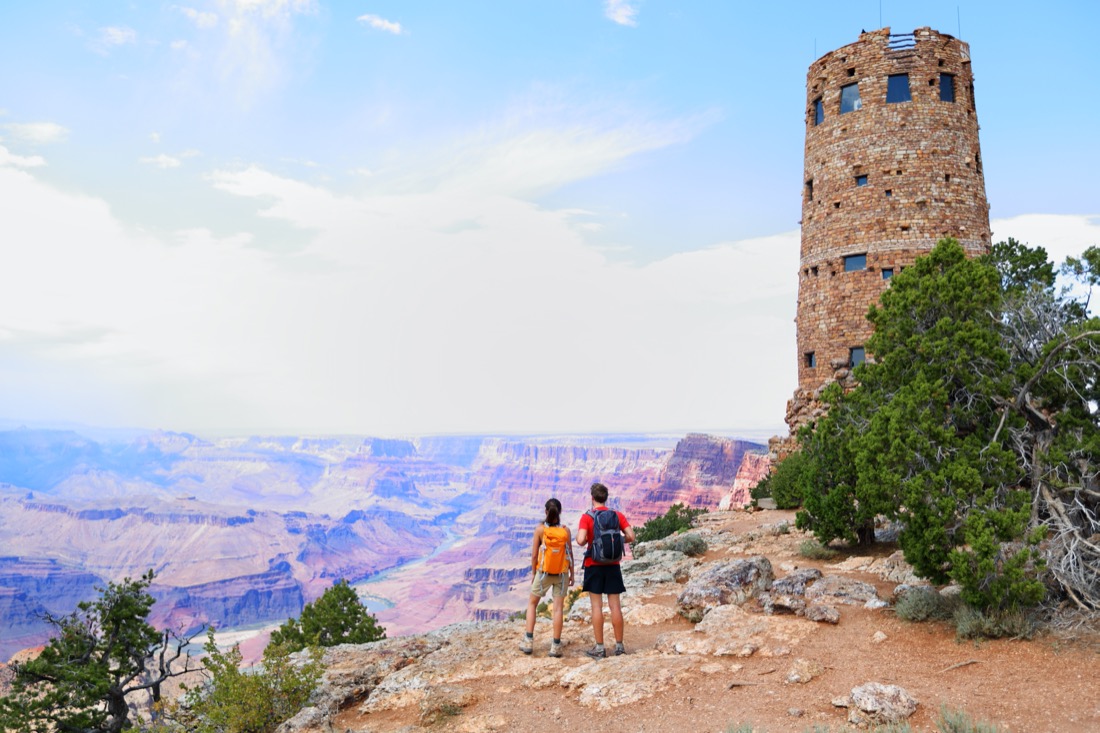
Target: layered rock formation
{"points": [[243, 531]]}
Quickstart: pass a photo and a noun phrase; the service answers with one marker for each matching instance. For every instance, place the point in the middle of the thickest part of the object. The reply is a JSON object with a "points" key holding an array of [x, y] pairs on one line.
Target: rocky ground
{"points": [[775, 640]]}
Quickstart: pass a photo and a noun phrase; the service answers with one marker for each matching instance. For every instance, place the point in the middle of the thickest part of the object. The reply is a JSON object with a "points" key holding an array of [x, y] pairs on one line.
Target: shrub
{"points": [[784, 482], [678, 518], [814, 550], [571, 598], [956, 721], [974, 623], [924, 603]]}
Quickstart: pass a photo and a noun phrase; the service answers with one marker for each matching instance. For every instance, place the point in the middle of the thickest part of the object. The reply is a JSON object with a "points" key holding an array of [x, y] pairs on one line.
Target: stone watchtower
{"points": [[892, 166]]}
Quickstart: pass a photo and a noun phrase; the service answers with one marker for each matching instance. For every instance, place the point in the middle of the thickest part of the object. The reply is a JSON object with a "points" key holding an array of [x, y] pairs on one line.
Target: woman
{"points": [[551, 560]]}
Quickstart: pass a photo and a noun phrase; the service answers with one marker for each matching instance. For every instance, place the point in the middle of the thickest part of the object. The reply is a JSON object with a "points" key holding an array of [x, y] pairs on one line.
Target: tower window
{"points": [[819, 112], [889, 193], [861, 180], [887, 273], [856, 356], [897, 89], [947, 178], [810, 190], [849, 98], [852, 263], [810, 359], [947, 87]]}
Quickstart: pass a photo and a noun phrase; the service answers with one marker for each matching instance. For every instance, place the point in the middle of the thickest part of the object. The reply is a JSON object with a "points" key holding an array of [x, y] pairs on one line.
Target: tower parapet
{"points": [[892, 165]]}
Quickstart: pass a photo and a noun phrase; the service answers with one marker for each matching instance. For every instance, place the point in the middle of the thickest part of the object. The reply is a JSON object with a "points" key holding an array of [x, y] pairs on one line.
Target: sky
{"points": [[402, 218]]}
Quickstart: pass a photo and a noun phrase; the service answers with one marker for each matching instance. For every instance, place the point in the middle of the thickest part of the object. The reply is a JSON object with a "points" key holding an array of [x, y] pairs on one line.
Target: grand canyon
{"points": [[241, 532]]}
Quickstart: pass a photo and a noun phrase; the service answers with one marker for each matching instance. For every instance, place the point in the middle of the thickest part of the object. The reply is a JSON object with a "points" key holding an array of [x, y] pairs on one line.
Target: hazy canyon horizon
{"points": [[242, 531]]}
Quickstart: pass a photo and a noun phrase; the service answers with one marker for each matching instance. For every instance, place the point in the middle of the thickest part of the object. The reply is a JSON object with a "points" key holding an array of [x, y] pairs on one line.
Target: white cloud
{"points": [[112, 37], [161, 161], [36, 133], [375, 21], [1062, 235], [178, 45], [7, 158], [154, 137], [623, 12], [200, 18]]}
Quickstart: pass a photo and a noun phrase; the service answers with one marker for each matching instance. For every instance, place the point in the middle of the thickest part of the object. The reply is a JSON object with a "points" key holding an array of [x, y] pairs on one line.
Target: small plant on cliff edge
{"points": [[678, 518], [337, 617], [244, 701]]}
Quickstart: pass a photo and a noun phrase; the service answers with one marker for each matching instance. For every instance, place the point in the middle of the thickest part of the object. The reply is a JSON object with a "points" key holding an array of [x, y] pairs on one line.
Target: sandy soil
{"points": [[1048, 684]]}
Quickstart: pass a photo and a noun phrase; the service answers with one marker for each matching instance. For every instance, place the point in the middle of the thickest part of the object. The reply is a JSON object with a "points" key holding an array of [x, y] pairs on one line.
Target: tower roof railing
{"points": [[902, 41]]}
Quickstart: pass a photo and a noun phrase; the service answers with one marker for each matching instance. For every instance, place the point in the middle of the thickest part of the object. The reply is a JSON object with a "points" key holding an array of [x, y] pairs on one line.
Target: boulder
{"points": [[804, 670], [721, 583], [689, 543], [795, 583], [821, 613], [731, 631], [656, 567], [873, 703], [616, 681], [837, 589]]}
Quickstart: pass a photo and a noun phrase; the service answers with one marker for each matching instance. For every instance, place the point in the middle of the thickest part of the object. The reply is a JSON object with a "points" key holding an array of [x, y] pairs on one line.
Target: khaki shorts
{"points": [[544, 582]]}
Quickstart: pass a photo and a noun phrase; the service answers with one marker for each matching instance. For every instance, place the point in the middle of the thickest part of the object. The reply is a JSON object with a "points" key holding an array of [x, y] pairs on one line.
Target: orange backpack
{"points": [[555, 548]]}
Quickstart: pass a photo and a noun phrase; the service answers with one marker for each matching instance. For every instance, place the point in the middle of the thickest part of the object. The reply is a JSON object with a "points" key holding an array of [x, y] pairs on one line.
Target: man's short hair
{"points": [[599, 493]]}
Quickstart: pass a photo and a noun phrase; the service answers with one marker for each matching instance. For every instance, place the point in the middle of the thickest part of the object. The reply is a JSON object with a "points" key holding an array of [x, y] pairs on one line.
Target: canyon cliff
{"points": [[242, 531]]}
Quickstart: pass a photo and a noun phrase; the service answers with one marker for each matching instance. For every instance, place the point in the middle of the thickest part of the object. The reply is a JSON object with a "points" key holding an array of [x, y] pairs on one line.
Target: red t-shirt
{"points": [[586, 523]]}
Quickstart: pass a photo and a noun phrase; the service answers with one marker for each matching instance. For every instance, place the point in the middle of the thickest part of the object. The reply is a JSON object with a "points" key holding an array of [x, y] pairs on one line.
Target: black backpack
{"points": [[607, 538]]}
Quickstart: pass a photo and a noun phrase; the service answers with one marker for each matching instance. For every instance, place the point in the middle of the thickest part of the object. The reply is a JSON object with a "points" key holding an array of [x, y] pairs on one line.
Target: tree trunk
{"points": [[865, 535]]}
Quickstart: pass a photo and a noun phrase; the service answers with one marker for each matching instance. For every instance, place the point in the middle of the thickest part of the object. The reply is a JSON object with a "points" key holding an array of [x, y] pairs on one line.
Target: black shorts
{"points": [[603, 579]]}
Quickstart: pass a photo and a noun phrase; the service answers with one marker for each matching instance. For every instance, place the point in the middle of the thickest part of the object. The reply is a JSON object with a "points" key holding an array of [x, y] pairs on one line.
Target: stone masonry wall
{"points": [[886, 180]]}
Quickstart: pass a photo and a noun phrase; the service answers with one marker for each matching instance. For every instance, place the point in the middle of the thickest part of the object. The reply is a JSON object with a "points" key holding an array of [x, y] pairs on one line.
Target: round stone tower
{"points": [[892, 165]]}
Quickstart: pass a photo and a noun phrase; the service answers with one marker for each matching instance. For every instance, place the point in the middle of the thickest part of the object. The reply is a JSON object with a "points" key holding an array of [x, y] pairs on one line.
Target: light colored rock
{"points": [[657, 567], [878, 637], [731, 631], [804, 670], [856, 562], [895, 569], [821, 613], [797, 582], [837, 589], [444, 702], [721, 583], [648, 614], [841, 701], [874, 703], [617, 681]]}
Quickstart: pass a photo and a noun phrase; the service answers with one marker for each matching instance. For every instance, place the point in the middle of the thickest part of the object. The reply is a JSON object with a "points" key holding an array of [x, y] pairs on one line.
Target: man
{"points": [[603, 578]]}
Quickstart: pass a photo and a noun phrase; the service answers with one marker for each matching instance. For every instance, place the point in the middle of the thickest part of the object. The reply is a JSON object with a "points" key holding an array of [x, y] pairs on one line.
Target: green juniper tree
{"points": [[974, 425], [337, 617], [103, 655]]}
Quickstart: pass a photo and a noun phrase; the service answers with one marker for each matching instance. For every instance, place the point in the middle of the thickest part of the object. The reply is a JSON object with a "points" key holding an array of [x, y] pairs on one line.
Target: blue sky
{"points": [[412, 217]]}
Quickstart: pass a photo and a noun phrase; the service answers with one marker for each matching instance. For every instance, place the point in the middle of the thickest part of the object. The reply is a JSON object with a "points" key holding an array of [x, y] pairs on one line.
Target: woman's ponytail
{"points": [[553, 512]]}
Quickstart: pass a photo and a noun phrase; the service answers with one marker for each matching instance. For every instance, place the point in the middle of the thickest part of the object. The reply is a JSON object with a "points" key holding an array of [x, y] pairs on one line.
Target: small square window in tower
{"points": [[897, 89], [849, 98], [810, 359], [887, 273], [853, 263], [947, 87], [861, 180], [856, 356], [819, 112]]}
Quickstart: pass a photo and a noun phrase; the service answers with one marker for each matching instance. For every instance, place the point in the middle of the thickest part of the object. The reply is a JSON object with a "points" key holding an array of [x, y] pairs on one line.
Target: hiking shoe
{"points": [[525, 645], [555, 650], [596, 652], [620, 649]]}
